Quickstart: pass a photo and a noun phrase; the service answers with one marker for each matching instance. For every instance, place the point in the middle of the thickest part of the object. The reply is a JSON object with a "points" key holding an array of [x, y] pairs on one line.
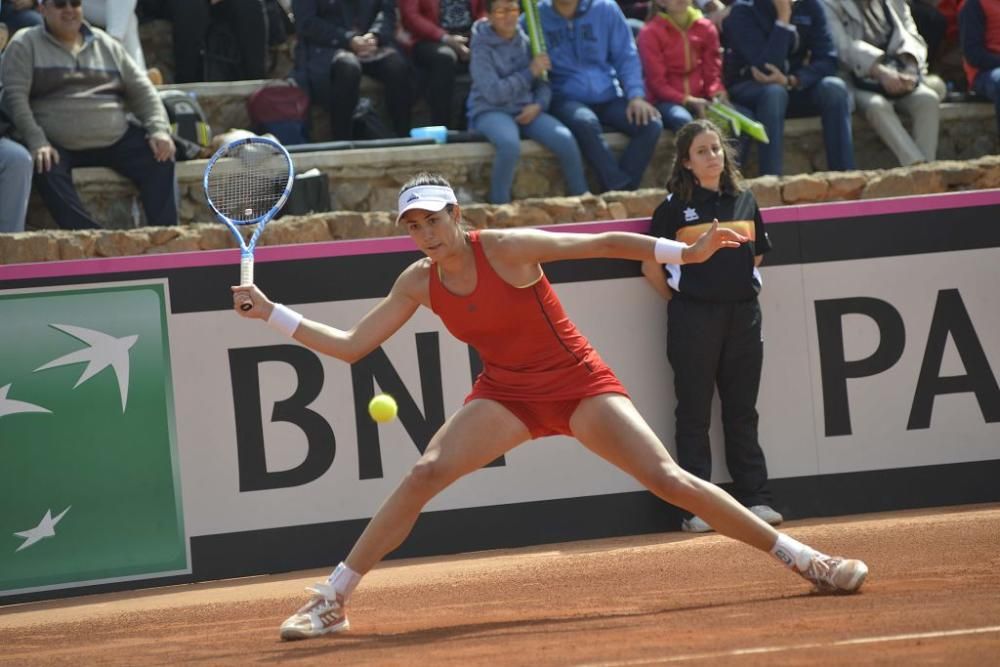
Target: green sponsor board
{"points": [[89, 486]]}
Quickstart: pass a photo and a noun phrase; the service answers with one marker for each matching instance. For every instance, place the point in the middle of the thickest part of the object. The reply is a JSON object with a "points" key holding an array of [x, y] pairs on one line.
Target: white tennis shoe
{"points": [[767, 514], [696, 524], [324, 614], [833, 574]]}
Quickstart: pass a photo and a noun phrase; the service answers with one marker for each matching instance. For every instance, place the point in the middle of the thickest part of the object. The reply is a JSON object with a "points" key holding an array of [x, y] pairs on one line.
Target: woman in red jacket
{"points": [[681, 62], [439, 30]]}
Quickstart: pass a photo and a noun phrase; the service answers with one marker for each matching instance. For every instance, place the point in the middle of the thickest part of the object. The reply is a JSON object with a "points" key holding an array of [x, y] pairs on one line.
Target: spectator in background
{"points": [[337, 43], [509, 99], [19, 14], [439, 30], [636, 12], [884, 61], [280, 23], [15, 182], [780, 61], [237, 26], [715, 11], [931, 24], [979, 23], [69, 91], [118, 19], [596, 79], [681, 62], [15, 172]]}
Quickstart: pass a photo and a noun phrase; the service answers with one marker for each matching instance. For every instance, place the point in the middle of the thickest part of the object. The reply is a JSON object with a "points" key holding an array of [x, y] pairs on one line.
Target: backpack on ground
{"points": [[310, 194], [281, 110], [188, 123]]}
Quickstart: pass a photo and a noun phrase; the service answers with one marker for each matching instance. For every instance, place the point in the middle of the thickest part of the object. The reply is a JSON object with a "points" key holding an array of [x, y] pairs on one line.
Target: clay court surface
{"points": [[933, 597]]}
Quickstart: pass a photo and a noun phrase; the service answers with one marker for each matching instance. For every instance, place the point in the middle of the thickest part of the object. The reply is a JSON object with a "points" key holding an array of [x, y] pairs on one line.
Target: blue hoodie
{"points": [[501, 80], [594, 58]]}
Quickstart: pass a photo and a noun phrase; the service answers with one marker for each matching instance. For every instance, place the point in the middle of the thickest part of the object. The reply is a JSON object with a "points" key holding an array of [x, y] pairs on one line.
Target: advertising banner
{"points": [[148, 434], [86, 438]]}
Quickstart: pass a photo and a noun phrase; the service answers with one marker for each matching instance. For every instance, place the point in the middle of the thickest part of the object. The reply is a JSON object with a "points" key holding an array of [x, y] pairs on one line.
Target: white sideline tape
{"points": [[792, 647]]}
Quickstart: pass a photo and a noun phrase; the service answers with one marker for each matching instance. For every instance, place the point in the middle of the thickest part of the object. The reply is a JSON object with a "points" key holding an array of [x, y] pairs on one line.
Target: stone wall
{"points": [[368, 180], [51, 245]]}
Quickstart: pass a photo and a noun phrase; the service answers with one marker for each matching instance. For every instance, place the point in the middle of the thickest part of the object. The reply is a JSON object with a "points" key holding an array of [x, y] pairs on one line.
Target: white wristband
{"points": [[284, 319], [668, 251]]}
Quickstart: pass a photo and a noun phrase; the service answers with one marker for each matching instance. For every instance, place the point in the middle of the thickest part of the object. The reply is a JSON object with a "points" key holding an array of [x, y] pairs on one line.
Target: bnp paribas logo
{"points": [[89, 490]]}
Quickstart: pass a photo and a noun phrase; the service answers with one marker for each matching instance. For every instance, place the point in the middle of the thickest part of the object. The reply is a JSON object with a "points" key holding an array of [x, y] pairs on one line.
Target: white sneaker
{"points": [[767, 514], [833, 574], [696, 525], [325, 613]]}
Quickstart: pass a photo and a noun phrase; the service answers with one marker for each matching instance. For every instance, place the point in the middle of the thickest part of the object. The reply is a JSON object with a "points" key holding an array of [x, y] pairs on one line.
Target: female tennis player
{"points": [[540, 377]]}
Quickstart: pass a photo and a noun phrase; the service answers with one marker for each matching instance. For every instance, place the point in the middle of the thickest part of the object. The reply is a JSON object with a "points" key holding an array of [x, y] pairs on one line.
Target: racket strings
{"points": [[247, 181]]}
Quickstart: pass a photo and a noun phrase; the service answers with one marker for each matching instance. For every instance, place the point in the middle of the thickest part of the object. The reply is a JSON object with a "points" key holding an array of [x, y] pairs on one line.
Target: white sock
{"points": [[792, 553], [344, 580]]}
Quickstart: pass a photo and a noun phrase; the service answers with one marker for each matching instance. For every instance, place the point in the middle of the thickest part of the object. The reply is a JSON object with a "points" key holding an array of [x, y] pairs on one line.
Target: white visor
{"points": [[425, 197]]}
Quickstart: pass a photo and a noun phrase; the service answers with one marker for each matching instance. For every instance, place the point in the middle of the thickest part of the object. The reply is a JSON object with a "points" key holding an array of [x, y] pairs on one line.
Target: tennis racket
{"points": [[247, 182]]}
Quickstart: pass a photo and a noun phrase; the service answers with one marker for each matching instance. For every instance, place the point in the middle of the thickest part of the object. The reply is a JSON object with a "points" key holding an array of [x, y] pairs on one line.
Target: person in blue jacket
{"points": [[780, 61], [509, 99], [596, 79], [979, 26]]}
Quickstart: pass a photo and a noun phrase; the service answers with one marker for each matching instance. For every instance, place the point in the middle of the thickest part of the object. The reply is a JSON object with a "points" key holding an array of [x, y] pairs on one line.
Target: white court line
{"points": [[793, 647]]}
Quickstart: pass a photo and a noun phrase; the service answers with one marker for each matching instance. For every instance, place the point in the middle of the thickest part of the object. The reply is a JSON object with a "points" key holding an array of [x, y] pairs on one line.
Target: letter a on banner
{"points": [[951, 318]]}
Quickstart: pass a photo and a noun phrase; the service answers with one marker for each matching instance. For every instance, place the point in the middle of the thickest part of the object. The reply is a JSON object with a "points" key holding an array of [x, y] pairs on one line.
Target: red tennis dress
{"points": [[535, 361]]}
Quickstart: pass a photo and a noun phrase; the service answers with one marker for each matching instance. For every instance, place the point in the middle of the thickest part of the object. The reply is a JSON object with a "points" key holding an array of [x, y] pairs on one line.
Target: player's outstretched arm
{"points": [[372, 330], [536, 245]]}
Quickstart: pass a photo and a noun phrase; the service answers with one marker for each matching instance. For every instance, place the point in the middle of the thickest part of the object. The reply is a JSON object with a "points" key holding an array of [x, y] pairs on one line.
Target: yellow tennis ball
{"points": [[382, 408]]}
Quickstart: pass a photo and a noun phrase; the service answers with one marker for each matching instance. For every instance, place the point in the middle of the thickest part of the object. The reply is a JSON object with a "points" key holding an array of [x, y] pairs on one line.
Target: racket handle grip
{"points": [[246, 278], [246, 270]]}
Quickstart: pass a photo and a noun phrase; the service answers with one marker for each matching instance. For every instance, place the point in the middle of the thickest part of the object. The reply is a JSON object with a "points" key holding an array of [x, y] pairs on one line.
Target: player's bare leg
{"points": [[610, 426], [474, 436], [477, 434]]}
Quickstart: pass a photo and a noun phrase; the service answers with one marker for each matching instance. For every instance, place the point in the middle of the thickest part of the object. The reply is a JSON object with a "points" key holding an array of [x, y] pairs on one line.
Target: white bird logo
{"points": [[9, 406], [45, 528], [103, 351]]}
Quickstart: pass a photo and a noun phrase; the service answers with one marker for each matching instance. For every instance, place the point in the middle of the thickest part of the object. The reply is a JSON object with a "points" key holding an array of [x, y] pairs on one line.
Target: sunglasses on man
{"points": [[61, 4]]}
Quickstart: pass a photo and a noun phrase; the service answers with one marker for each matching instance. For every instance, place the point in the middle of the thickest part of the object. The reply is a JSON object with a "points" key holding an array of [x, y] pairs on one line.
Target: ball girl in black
{"points": [[714, 335]]}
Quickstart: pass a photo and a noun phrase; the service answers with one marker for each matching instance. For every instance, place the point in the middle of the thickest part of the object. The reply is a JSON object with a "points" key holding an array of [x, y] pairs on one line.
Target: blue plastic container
{"points": [[439, 133]]}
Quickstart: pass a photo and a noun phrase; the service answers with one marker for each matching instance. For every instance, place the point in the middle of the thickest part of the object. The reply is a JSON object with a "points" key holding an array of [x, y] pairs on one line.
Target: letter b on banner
{"points": [[244, 369]]}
